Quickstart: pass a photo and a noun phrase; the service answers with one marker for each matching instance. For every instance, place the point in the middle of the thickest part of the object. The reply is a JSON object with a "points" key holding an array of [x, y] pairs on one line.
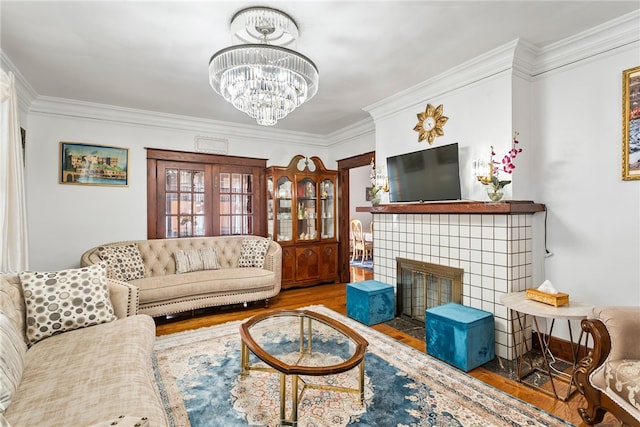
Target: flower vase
{"points": [[494, 195], [375, 199]]}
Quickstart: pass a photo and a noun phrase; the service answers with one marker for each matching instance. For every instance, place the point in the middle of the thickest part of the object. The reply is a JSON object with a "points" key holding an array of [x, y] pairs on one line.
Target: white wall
{"points": [[568, 110], [593, 216], [66, 220], [358, 181]]}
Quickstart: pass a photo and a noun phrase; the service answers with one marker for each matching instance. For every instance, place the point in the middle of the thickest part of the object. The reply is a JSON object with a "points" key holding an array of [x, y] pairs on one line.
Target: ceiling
{"points": [[154, 55]]}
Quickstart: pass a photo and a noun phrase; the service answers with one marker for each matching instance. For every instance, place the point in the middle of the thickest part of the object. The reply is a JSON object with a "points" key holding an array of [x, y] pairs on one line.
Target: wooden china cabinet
{"points": [[301, 216]]}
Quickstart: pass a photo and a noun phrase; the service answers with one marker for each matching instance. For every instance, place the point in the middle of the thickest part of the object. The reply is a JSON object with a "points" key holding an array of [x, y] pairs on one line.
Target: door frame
{"points": [[344, 166]]}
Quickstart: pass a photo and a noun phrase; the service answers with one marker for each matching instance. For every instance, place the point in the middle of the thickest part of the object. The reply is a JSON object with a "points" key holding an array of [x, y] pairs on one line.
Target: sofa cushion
{"points": [[12, 360], [124, 262], [59, 301], [202, 283], [196, 260], [623, 379], [253, 252], [90, 375]]}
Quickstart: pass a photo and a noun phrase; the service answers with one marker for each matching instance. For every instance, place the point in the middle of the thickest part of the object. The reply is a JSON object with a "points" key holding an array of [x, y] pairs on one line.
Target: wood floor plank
{"points": [[333, 296]]}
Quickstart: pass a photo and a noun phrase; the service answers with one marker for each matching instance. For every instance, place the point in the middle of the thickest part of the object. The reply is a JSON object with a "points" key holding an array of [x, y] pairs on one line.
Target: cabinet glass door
{"points": [[270, 209], [307, 210], [327, 209], [284, 211]]}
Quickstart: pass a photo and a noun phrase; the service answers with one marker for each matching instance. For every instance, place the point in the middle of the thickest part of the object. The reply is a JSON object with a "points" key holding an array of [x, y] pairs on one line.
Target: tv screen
{"points": [[428, 175]]}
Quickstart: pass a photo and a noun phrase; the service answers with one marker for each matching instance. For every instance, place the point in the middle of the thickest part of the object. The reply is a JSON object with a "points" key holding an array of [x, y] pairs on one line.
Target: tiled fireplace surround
{"points": [[493, 249]]}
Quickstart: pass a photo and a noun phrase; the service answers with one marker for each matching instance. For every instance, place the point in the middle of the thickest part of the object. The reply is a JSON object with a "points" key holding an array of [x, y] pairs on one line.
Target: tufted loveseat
{"points": [[163, 291]]}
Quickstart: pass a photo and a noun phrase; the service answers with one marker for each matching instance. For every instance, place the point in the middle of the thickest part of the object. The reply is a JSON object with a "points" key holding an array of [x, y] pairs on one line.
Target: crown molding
{"points": [[362, 128], [26, 93], [611, 35], [479, 68], [45, 105]]}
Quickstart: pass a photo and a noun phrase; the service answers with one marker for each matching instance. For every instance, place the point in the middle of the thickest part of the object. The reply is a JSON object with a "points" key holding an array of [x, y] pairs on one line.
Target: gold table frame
{"points": [[306, 347]]}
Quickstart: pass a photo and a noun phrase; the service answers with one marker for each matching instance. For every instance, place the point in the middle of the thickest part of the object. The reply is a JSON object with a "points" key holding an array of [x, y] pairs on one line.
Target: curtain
{"points": [[13, 213]]}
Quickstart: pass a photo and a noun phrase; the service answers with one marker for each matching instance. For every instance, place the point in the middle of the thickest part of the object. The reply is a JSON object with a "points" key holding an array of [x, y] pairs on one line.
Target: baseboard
{"points": [[559, 347]]}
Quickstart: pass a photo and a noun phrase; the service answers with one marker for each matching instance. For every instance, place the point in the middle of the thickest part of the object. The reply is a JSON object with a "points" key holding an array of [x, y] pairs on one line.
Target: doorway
{"points": [[344, 166]]}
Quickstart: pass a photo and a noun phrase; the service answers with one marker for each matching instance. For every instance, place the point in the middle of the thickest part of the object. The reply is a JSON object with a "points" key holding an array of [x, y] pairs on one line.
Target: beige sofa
{"points": [[163, 291], [609, 377], [84, 377]]}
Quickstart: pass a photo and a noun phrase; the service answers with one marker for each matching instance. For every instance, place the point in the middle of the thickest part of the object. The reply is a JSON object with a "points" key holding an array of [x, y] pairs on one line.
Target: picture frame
{"points": [[90, 164], [631, 124], [369, 196]]}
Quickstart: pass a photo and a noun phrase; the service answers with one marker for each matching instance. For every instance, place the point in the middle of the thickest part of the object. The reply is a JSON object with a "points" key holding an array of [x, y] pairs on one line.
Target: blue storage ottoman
{"points": [[460, 335], [370, 302]]}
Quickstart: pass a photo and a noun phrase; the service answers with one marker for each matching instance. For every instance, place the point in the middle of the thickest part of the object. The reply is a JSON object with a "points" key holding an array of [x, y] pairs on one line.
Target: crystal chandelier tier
{"points": [[260, 76]]}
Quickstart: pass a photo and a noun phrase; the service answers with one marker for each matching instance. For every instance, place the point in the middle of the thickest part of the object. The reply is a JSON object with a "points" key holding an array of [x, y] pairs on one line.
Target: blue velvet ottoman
{"points": [[461, 336], [370, 302]]}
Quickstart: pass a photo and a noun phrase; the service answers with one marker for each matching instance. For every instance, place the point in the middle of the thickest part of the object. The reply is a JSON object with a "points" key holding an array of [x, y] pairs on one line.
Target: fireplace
{"points": [[491, 242], [423, 285]]}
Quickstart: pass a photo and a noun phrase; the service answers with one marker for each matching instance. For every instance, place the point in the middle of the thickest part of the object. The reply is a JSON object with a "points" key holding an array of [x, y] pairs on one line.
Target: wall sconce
{"points": [[483, 171]]}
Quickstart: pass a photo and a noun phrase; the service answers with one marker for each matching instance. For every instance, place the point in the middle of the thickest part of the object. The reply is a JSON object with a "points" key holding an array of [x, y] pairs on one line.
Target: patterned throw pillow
{"points": [[123, 262], [12, 361], [196, 260], [60, 301], [253, 252]]}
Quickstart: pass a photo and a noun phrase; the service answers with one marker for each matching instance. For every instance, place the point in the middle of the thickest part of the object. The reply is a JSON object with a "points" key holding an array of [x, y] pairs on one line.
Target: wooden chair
{"points": [[359, 247]]}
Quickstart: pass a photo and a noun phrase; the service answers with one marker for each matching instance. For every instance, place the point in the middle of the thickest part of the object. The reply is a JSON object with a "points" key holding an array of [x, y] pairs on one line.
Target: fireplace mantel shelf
{"points": [[509, 207]]}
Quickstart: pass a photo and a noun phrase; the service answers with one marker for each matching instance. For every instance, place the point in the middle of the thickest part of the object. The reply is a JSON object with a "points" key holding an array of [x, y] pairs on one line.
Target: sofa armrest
{"points": [[273, 261], [124, 297]]}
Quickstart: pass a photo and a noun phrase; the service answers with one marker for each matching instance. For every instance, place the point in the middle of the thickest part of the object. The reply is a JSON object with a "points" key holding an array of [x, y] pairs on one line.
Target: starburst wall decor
{"points": [[430, 123]]}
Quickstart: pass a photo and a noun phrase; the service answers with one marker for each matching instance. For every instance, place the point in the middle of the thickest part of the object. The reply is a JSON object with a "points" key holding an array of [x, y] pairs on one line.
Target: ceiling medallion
{"points": [[430, 124], [258, 75]]}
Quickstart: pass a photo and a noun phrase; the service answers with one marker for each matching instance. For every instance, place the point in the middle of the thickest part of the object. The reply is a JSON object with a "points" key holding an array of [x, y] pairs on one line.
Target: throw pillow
{"points": [[253, 252], [196, 260], [60, 301], [123, 262], [12, 361]]}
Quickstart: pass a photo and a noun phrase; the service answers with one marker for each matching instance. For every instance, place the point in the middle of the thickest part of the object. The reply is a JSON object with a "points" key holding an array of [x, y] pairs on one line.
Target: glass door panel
{"points": [[184, 202], [236, 203], [327, 209], [284, 213], [307, 210]]}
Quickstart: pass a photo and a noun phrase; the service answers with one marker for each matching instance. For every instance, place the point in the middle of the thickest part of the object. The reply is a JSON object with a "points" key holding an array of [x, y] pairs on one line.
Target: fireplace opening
{"points": [[422, 285]]}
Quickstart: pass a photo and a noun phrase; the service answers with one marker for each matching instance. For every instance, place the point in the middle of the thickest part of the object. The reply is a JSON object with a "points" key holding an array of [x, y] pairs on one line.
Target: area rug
{"points": [[366, 264], [198, 373]]}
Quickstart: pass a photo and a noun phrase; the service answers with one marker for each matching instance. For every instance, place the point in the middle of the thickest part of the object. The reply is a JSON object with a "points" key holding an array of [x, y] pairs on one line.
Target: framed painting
{"points": [[631, 124], [88, 164], [369, 195]]}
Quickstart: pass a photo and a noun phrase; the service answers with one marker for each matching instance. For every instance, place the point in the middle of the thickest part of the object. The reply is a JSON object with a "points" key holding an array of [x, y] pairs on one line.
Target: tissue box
{"points": [[555, 300]]}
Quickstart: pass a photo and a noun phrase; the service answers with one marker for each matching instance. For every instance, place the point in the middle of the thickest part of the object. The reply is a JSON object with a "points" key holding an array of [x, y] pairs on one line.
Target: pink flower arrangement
{"points": [[506, 165]]}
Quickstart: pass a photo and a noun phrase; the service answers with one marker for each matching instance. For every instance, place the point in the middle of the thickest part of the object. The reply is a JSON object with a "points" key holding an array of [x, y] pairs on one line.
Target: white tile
{"points": [[487, 232], [500, 310], [475, 303], [501, 324], [487, 245], [476, 231], [500, 259], [476, 220], [487, 306], [454, 253], [454, 242], [465, 230], [476, 280], [464, 219], [476, 244], [487, 257], [500, 246], [500, 233], [476, 268], [502, 338], [476, 256], [500, 272], [500, 220], [487, 220], [465, 243], [444, 240], [454, 230], [464, 254]]}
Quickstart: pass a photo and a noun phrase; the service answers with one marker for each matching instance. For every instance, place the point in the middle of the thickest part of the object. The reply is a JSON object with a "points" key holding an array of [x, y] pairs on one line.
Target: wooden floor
{"points": [[333, 296]]}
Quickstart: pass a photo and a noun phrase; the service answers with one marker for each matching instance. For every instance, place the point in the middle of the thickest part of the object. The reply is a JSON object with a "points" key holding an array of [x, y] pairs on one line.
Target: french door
{"points": [[188, 199]]}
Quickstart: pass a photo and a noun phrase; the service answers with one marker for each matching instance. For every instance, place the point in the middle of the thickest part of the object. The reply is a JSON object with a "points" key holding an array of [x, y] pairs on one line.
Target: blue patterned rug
{"points": [[198, 376]]}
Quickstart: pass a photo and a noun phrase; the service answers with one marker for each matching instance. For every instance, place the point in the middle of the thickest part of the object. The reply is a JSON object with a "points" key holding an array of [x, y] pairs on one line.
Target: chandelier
{"points": [[259, 75]]}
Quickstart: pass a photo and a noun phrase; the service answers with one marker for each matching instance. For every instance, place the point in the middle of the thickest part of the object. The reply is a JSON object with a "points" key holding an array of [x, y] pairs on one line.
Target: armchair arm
{"points": [[124, 298], [594, 413]]}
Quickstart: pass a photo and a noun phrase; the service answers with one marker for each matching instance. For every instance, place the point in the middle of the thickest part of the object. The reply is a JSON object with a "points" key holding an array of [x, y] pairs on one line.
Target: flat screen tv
{"points": [[424, 176]]}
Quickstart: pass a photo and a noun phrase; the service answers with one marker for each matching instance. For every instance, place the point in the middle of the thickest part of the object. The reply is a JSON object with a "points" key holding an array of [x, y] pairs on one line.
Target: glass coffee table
{"points": [[301, 344]]}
